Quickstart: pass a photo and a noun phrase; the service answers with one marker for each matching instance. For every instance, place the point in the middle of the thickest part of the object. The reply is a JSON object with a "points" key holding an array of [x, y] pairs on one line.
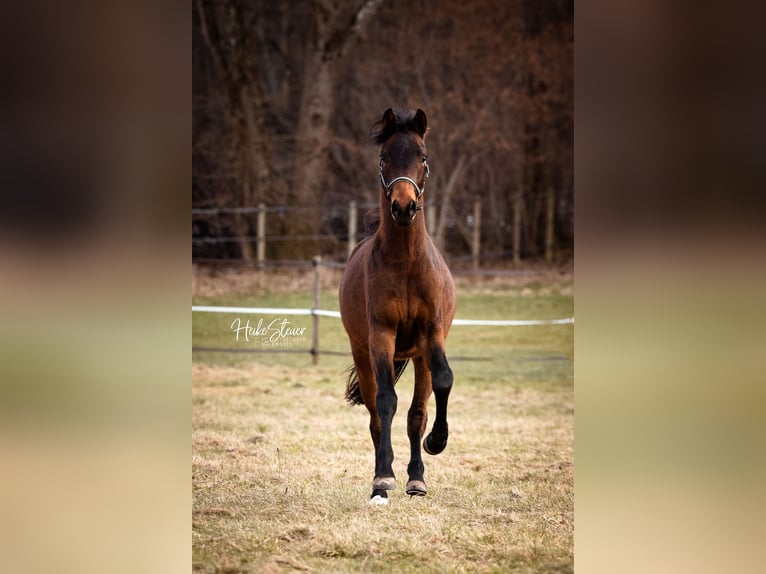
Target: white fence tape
{"points": [[265, 311], [336, 314], [513, 322]]}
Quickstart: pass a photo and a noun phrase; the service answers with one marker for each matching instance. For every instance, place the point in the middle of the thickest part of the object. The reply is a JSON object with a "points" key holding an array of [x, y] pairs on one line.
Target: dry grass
{"points": [[208, 283], [282, 472], [282, 467], [212, 283]]}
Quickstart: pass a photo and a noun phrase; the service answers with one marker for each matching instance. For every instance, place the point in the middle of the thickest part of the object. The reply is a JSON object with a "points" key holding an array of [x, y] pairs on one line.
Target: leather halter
{"points": [[418, 190]]}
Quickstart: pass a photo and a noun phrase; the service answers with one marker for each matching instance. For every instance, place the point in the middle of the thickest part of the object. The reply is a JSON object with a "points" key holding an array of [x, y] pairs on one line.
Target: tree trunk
{"points": [[334, 34], [317, 106], [243, 111], [446, 196]]}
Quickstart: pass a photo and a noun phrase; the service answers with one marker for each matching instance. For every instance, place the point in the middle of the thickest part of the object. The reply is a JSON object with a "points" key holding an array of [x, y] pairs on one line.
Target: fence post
{"points": [[431, 219], [476, 239], [314, 317], [351, 226], [551, 201], [261, 236], [517, 206]]}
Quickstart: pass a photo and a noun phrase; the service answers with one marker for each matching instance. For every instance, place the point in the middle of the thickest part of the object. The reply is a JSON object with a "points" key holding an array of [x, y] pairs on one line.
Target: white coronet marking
{"points": [[378, 500]]}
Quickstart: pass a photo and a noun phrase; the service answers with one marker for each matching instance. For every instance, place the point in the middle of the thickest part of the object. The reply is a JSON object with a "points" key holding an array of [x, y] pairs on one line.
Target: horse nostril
{"points": [[395, 208], [411, 207]]}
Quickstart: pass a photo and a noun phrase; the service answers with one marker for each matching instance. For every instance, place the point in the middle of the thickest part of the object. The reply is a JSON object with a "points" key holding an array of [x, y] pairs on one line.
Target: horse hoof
{"points": [[384, 483], [378, 500], [416, 488], [433, 448]]}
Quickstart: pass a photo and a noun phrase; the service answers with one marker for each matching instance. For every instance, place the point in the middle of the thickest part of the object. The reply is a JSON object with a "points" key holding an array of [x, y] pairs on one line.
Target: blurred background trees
{"points": [[285, 94]]}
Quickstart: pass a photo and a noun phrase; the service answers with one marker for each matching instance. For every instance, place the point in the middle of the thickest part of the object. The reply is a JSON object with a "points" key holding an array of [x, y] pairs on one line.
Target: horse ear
{"points": [[388, 119], [383, 128], [420, 123]]}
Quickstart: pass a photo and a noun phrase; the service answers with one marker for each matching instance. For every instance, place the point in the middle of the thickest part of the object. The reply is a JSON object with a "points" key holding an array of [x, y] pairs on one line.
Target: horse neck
{"points": [[398, 241]]}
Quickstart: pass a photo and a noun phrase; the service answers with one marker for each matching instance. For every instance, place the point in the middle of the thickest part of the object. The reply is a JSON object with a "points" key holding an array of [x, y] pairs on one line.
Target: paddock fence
{"points": [[239, 236], [315, 312]]}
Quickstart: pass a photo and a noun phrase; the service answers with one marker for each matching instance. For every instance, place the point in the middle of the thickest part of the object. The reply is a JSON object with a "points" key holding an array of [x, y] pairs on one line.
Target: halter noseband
{"points": [[418, 190]]}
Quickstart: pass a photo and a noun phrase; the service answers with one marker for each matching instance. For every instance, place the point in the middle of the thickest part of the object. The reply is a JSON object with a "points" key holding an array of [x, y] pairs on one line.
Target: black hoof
{"points": [[433, 446]]}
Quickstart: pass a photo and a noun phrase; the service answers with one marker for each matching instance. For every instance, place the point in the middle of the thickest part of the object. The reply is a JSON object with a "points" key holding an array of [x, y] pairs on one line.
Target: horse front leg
{"points": [[382, 354], [417, 418], [369, 390], [441, 381]]}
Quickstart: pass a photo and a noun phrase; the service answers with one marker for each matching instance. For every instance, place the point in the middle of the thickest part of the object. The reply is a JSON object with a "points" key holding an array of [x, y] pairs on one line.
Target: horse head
{"points": [[403, 162]]}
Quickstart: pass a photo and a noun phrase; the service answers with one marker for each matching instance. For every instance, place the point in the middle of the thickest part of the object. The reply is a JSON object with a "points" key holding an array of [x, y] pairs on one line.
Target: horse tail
{"points": [[399, 367], [354, 393]]}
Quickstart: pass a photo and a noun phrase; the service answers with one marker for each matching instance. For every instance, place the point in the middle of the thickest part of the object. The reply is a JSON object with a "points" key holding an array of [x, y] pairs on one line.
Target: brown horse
{"points": [[397, 301]]}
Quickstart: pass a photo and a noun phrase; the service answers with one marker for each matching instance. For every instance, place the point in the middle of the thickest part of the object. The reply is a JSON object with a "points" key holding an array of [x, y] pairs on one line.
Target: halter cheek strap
{"points": [[418, 190]]}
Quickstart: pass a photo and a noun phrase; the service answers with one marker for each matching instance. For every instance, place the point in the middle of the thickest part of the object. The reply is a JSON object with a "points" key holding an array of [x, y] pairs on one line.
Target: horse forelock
{"points": [[404, 122]]}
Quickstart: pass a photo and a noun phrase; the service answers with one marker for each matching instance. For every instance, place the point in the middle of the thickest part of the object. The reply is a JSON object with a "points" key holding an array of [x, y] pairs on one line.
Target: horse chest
{"points": [[405, 297]]}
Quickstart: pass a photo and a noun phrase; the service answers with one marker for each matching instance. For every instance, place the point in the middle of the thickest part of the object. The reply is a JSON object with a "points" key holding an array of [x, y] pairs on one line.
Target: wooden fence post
{"points": [[314, 306], [261, 236], [351, 226], [476, 238], [517, 206], [431, 219], [549, 216]]}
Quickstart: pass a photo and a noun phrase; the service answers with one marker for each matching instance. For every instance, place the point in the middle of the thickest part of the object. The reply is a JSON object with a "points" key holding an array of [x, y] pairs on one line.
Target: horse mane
{"points": [[404, 123], [371, 221]]}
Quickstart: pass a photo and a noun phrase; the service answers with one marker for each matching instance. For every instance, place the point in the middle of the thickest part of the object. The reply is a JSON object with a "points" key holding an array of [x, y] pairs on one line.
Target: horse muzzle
{"points": [[404, 215]]}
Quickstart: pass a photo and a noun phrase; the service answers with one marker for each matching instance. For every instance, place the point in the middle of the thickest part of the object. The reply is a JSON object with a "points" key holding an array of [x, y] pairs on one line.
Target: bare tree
{"points": [[225, 26], [285, 94], [335, 27]]}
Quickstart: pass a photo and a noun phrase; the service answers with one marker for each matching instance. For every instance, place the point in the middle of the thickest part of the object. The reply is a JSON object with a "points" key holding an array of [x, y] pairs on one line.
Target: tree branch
{"points": [[339, 38], [217, 63]]}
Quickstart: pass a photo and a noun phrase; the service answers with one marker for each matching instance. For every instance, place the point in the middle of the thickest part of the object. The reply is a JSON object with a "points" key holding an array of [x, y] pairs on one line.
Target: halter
{"points": [[418, 190]]}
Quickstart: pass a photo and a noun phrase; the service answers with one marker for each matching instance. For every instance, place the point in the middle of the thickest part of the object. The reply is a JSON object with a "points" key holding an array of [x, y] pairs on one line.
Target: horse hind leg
{"points": [[441, 379], [417, 418]]}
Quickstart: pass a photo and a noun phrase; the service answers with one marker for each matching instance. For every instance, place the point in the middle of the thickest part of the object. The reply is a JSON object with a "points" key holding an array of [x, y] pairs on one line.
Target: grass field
{"points": [[282, 467]]}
